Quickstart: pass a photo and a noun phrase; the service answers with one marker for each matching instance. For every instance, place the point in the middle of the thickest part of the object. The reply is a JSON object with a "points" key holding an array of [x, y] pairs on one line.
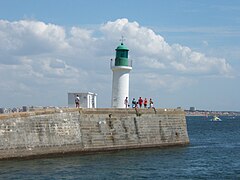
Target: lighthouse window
{"points": [[126, 54], [122, 54]]}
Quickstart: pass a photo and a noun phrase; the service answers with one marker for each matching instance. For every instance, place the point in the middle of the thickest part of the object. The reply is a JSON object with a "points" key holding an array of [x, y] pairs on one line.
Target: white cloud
{"points": [[31, 37], [151, 48], [49, 57]]}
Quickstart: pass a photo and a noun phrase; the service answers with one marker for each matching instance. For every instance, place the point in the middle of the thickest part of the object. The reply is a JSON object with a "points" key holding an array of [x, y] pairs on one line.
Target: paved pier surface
{"points": [[62, 131]]}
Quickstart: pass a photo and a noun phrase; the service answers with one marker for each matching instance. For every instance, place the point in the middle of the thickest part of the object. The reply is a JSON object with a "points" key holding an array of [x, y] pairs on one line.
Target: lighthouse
{"points": [[121, 68]]}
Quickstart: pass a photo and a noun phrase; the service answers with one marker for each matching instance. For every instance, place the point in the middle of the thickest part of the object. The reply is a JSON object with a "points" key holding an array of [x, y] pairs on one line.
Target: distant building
{"points": [[87, 100], [192, 109], [25, 109], [2, 110]]}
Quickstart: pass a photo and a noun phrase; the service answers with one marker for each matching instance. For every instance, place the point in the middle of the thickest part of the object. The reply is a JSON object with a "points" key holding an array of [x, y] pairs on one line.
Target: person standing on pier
{"points": [[126, 102], [77, 101], [151, 103], [145, 103], [134, 103], [140, 102]]}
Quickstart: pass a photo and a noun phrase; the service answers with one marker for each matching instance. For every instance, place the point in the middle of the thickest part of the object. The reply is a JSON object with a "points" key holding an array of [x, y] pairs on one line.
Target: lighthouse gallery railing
{"points": [[112, 63]]}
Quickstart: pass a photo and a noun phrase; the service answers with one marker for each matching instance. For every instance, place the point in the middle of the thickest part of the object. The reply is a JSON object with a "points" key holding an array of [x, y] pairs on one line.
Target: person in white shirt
{"points": [[77, 101]]}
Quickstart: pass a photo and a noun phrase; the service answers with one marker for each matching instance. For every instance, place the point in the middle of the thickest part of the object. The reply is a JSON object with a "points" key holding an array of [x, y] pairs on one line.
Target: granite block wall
{"points": [[54, 132]]}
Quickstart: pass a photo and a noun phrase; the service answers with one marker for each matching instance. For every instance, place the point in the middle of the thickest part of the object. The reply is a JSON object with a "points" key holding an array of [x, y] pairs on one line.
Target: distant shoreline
{"points": [[212, 113]]}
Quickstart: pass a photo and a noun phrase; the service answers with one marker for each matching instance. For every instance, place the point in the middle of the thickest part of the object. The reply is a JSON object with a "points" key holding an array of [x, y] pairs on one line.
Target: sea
{"points": [[213, 153]]}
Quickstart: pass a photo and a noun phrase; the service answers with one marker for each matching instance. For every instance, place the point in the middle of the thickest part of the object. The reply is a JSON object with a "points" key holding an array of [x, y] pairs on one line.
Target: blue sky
{"points": [[185, 53]]}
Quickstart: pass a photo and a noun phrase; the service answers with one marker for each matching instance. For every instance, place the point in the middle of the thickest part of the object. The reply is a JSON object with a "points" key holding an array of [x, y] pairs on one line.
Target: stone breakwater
{"points": [[56, 132]]}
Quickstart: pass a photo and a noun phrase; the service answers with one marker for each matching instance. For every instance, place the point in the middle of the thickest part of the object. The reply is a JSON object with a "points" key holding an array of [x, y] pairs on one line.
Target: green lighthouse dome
{"points": [[122, 47], [121, 55]]}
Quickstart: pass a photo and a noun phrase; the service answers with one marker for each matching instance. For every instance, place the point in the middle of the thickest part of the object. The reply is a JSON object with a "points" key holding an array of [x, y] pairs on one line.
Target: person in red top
{"points": [[140, 102], [145, 103]]}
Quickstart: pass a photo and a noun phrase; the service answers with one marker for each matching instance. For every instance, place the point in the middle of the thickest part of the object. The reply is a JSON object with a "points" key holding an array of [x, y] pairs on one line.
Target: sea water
{"points": [[213, 153]]}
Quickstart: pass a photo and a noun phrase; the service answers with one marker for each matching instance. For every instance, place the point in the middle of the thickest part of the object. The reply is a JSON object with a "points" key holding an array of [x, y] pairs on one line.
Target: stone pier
{"points": [[65, 131]]}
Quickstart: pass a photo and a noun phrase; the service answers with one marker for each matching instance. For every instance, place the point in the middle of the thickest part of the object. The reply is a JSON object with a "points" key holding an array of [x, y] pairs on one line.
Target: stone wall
{"points": [[53, 132]]}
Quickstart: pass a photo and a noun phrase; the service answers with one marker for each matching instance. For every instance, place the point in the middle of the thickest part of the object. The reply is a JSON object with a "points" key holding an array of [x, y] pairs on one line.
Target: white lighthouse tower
{"points": [[121, 67]]}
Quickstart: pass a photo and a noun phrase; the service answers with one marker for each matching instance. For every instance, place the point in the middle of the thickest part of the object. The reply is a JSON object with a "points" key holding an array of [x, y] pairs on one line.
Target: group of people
{"points": [[139, 103], [135, 104]]}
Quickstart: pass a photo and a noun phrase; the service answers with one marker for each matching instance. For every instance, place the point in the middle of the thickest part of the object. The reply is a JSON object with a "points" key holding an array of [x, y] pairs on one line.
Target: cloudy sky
{"points": [[185, 53]]}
